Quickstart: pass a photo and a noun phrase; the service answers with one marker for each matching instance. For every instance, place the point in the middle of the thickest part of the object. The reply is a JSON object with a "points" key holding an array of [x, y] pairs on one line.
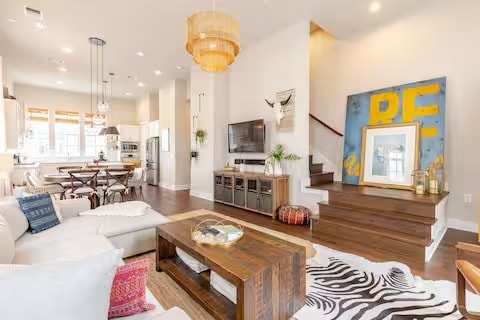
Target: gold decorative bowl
{"points": [[222, 239]]}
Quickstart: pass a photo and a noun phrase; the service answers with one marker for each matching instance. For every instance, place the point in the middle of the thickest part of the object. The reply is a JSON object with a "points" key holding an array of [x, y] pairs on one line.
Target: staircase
{"points": [[397, 224], [317, 175]]}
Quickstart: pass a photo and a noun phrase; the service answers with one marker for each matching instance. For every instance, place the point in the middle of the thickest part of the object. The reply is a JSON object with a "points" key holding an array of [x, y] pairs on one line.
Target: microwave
{"points": [[130, 147]]}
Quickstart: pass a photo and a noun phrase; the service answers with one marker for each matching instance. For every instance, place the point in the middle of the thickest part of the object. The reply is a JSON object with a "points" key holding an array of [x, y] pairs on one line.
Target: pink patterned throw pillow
{"points": [[128, 290]]}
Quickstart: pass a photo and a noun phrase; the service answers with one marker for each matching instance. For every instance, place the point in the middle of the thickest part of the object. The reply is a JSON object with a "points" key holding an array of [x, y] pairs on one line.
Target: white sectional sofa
{"points": [[77, 237]]}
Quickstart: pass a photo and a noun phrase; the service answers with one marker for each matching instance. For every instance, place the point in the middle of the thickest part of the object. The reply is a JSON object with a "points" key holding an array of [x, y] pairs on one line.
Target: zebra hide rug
{"points": [[343, 286]]}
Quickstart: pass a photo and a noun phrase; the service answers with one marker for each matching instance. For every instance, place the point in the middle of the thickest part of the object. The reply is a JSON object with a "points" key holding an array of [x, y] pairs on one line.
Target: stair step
{"points": [[382, 203], [398, 215], [400, 236], [395, 221], [316, 168], [342, 232], [321, 178]]}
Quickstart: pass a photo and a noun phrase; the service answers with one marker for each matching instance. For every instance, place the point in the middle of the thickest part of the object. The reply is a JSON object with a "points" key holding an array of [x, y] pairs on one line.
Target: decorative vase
{"points": [[277, 168]]}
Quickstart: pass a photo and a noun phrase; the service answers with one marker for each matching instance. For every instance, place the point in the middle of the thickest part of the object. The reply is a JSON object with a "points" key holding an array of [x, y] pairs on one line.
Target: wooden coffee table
{"points": [[269, 272]]}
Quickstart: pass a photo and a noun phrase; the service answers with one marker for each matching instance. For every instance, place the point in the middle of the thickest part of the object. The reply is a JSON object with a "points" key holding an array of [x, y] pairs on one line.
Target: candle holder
{"points": [[420, 181]]}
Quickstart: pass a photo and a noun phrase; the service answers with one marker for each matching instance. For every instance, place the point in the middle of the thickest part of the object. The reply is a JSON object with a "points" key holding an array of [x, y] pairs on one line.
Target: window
{"points": [[67, 134], [93, 142], [37, 132]]}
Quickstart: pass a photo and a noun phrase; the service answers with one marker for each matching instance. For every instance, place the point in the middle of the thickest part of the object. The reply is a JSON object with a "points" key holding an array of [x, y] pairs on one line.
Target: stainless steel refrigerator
{"points": [[153, 161]]}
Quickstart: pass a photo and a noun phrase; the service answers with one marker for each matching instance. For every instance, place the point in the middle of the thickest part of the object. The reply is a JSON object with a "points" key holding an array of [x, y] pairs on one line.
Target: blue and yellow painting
{"points": [[422, 101]]}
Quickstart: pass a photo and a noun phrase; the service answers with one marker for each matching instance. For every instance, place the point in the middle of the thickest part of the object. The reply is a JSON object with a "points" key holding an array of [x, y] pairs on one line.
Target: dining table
{"points": [[65, 177]]}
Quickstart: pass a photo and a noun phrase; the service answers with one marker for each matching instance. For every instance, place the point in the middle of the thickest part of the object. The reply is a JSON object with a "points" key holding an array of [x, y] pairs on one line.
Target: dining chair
{"points": [[467, 273], [136, 182], [88, 185], [117, 182], [66, 185], [36, 186]]}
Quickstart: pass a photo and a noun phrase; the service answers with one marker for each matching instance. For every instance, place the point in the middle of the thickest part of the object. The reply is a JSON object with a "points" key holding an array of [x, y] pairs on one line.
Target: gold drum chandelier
{"points": [[213, 39]]}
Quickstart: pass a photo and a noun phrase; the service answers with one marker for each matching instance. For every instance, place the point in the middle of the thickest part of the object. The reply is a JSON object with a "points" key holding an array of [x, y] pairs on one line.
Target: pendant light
{"points": [[213, 39], [111, 131], [96, 119], [103, 106]]}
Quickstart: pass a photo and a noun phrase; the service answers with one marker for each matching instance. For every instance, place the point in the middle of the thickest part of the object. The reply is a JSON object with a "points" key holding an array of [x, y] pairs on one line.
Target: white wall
{"points": [[3, 131], [278, 63], [122, 111], [212, 117], [147, 108], [175, 116], [429, 43]]}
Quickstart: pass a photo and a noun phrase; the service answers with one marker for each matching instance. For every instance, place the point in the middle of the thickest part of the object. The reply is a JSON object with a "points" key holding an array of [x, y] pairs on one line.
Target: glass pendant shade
{"points": [[213, 39], [98, 119], [103, 107]]}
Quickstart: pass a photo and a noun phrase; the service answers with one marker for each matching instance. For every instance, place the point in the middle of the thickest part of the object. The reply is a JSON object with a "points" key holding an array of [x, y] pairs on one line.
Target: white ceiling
{"points": [[157, 28]]}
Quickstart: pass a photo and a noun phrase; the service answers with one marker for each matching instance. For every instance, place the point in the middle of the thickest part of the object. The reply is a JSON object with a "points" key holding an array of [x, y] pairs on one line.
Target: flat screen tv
{"points": [[246, 137]]}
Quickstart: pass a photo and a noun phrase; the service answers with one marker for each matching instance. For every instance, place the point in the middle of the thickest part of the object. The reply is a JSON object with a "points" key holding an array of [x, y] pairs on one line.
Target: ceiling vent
{"points": [[30, 12]]}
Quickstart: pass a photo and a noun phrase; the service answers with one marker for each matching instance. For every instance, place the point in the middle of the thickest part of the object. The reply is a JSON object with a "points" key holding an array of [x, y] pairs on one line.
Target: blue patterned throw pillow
{"points": [[39, 211]]}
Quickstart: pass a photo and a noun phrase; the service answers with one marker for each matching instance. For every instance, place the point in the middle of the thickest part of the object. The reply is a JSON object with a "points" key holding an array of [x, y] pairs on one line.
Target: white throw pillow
{"points": [[58, 211], [73, 290], [7, 244], [15, 218], [191, 262]]}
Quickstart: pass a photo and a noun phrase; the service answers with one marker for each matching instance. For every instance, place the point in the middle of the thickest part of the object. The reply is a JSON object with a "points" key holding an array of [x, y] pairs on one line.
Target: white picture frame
{"points": [[390, 153]]}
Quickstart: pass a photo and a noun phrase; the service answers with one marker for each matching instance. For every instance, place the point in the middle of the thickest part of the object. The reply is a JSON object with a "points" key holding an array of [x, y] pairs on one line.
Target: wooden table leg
{"points": [[164, 250]]}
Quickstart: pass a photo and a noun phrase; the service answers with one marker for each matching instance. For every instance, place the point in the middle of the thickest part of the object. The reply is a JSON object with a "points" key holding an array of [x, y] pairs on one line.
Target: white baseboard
{"points": [[181, 187], [202, 195], [175, 187], [430, 251], [462, 225]]}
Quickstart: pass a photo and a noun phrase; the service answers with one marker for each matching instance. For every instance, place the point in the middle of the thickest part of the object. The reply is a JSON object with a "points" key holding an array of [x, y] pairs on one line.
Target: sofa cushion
{"points": [[16, 220], [128, 290], [7, 244], [39, 211], [30, 252], [116, 225], [74, 290], [173, 313]]}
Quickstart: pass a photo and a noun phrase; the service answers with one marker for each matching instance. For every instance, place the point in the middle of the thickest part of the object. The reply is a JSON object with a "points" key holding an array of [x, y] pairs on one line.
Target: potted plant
{"points": [[200, 135], [273, 162]]}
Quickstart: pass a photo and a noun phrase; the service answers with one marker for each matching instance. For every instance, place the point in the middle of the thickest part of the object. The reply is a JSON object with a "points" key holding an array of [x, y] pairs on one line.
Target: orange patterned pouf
{"points": [[294, 214]]}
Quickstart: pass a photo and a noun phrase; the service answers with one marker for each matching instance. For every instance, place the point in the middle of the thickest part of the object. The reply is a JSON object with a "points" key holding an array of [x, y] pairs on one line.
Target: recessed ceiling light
{"points": [[140, 54], [179, 67], [128, 94], [62, 69], [141, 84], [67, 50], [11, 20], [40, 26], [158, 72], [375, 7], [59, 82]]}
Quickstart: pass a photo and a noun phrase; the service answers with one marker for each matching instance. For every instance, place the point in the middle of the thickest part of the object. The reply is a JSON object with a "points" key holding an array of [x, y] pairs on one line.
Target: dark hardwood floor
{"points": [[441, 266]]}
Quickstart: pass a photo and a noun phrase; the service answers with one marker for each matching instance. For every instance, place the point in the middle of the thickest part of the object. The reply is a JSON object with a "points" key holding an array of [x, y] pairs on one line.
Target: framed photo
{"points": [[165, 140], [389, 155]]}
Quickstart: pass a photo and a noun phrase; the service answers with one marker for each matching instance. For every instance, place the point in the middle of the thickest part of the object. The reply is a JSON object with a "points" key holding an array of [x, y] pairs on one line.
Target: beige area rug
{"points": [[169, 294]]}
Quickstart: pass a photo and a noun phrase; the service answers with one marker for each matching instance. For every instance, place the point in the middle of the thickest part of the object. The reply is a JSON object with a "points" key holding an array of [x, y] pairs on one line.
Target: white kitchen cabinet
{"points": [[154, 129], [129, 133], [14, 123]]}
